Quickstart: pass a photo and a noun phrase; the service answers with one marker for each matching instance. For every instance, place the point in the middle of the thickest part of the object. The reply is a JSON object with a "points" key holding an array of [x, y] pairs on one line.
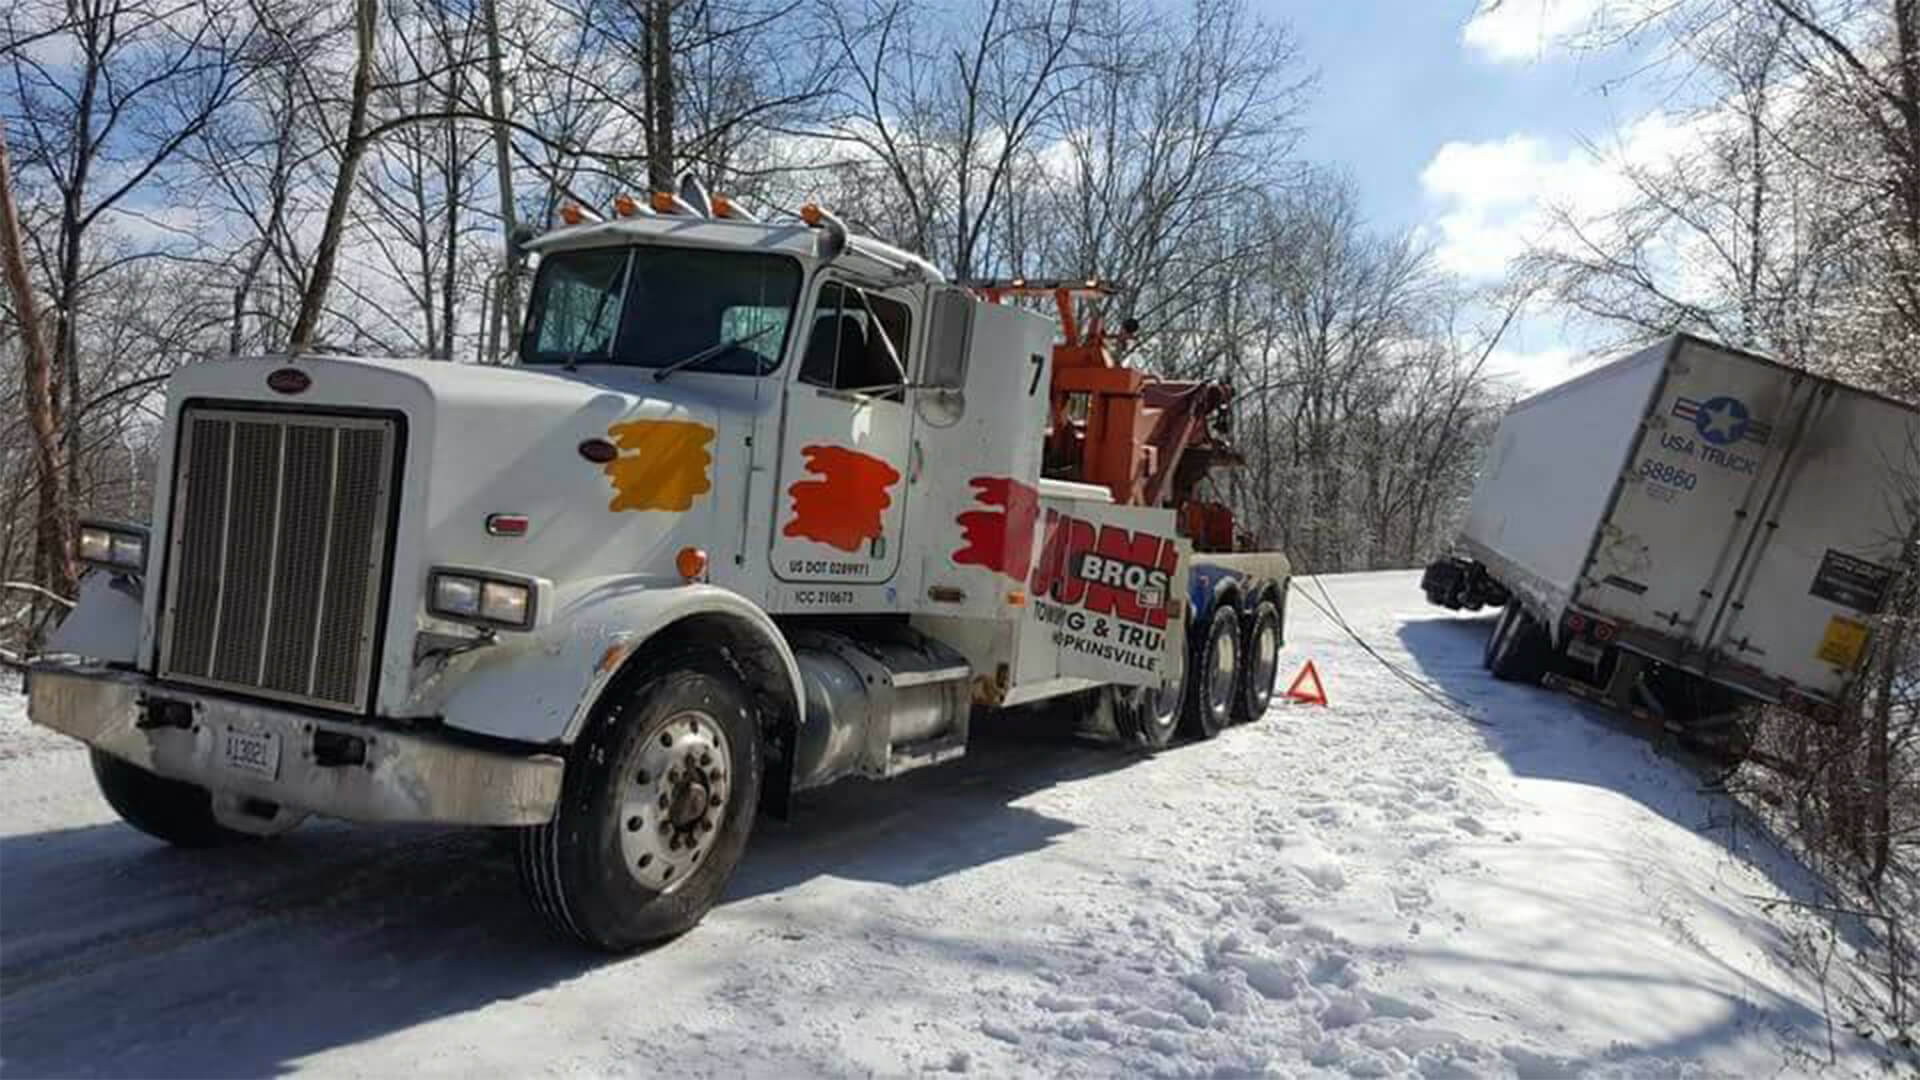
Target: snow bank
{"points": [[1377, 888]]}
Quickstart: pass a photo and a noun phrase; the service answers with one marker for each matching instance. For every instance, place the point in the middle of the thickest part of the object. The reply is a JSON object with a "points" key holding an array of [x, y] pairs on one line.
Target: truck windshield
{"points": [[656, 306]]}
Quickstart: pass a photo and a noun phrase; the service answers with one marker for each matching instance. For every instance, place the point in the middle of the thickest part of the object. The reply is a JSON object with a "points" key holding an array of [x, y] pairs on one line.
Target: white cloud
{"points": [[1495, 197], [1509, 31]]}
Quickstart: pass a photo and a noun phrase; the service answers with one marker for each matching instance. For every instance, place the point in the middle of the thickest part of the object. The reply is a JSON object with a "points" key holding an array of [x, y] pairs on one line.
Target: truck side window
{"points": [[848, 347]]}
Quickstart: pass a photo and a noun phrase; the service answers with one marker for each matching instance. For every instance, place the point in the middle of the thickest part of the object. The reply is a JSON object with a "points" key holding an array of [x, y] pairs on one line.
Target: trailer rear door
{"points": [[1824, 554], [1691, 495]]}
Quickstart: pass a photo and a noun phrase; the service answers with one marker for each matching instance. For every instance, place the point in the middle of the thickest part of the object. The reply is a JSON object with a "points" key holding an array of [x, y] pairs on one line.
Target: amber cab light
{"points": [[691, 562], [624, 205]]}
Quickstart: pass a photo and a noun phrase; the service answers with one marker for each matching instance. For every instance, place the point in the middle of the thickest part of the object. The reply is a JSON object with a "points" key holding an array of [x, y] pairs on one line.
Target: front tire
{"points": [[1262, 664], [171, 810], [1214, 680], [654, 812]]}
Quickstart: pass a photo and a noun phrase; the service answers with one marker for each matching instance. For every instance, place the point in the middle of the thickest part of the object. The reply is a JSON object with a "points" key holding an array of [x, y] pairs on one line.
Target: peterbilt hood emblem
{"points": [[289, 380]]}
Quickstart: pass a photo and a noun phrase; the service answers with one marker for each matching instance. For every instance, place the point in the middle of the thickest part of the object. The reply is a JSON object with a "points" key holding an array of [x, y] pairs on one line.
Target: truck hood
{"points": [[612, 471]]}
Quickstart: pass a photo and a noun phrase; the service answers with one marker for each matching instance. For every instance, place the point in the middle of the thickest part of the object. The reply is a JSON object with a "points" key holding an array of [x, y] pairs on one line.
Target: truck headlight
{"points": [[474, 596], [112, 545]]}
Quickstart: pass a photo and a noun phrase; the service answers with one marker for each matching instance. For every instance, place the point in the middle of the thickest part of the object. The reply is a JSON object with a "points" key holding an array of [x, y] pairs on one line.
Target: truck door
{"points": [[1828, 544], [844, 447], [1693, 491]]}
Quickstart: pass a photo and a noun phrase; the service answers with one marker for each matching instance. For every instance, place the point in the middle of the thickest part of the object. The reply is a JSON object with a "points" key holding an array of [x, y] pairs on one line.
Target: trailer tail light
{"points": [[1603, 632], [1577, 623]]}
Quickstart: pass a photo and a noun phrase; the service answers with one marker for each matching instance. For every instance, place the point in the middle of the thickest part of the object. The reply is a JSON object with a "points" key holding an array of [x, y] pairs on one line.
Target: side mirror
{"points": [[949, 340]]}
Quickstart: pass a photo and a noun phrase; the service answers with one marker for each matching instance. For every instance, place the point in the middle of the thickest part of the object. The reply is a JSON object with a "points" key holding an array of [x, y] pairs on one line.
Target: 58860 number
{"points": [[1670, 475]]}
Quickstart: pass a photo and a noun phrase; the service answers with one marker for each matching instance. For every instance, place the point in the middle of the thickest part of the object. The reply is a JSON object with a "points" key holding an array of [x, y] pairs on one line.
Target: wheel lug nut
{"points": [[706, 759], [663, 802], [633, 824], [666, 739]]}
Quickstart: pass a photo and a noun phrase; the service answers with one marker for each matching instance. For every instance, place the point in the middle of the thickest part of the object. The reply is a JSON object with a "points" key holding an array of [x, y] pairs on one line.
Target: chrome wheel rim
{"points": [[1163, 701], [1220, 679], [1266, 662], [675, 800]]}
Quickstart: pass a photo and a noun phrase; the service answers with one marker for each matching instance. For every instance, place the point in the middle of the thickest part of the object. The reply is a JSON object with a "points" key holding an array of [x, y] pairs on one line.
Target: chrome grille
{"points": [[277, 553]]}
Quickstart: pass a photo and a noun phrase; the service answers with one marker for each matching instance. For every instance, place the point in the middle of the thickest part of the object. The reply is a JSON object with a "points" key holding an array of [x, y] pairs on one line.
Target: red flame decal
{"points": [[842, 508], [1000, 540]]}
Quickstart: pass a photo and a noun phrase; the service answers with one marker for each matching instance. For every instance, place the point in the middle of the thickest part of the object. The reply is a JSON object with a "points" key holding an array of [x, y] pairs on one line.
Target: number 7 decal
{"points": [[1039, 362]]}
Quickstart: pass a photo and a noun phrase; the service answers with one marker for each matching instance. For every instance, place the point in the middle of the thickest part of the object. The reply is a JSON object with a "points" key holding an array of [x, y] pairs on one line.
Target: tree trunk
{"points": [[314, 299], [54, 556], [660, 94], [506, 318]]}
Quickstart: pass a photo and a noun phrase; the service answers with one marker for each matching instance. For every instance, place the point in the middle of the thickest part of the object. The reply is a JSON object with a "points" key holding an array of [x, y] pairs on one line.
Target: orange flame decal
{"points": [[667, 468], [842, 508]]}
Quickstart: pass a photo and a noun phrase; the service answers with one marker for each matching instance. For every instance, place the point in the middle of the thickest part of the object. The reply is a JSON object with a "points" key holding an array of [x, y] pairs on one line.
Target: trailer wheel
{"points": [[1520, 649], [1500, 624], [1262, 664], [172, 810], [654, 812], [1214, 681]]}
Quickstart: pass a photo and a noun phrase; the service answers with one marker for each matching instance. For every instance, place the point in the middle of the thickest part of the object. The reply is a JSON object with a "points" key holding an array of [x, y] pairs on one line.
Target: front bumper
{"points": [[401, 777]]}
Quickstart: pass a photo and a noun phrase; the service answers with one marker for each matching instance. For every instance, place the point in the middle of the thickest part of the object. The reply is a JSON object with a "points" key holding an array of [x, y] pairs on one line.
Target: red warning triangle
{"points": [[1316, 696]]}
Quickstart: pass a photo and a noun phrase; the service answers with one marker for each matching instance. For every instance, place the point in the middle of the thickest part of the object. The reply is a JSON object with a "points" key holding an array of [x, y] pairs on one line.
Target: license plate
{"points": [[1585, 651], [252, 752]]}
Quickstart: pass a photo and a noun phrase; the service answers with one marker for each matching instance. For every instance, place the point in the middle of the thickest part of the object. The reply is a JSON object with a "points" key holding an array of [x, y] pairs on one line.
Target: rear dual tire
{"points": [[1213, 683], [1262, 664]]}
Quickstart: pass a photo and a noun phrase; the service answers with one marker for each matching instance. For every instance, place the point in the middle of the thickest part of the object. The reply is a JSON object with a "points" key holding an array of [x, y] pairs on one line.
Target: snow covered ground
{"points": [[1377, 888]]}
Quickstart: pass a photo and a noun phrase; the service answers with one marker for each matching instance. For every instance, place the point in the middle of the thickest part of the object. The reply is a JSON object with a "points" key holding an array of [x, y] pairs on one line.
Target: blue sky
{"points": [[1463, 125]]}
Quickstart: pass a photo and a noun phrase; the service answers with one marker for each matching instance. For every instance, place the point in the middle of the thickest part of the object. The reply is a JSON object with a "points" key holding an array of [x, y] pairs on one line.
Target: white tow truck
{"points": [[763, 505]]}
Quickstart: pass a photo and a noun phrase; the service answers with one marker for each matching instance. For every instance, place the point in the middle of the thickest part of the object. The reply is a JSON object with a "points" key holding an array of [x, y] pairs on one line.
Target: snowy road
{"points": [[1376, 888]]}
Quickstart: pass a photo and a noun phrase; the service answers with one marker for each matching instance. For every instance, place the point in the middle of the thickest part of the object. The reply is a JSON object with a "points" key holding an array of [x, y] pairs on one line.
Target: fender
{"points": [[1252, 575], [1211, 586], [104, 624], [543, 691]]}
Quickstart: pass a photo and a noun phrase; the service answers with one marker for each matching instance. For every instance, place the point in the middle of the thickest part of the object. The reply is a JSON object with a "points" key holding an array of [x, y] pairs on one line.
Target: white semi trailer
{"points": [[1688, 529], [762, 505]]}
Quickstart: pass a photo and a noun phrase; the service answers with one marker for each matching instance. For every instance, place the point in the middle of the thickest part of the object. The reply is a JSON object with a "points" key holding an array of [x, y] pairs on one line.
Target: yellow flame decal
{"points": [[666, 468]]}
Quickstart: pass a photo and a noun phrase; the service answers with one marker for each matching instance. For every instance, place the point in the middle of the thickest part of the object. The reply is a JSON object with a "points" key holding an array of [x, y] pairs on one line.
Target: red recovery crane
{"points": [[1147, 440]]}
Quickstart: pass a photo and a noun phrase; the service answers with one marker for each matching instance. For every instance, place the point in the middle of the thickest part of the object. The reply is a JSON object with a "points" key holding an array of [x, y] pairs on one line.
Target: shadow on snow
{"points": [[122, 957]]}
